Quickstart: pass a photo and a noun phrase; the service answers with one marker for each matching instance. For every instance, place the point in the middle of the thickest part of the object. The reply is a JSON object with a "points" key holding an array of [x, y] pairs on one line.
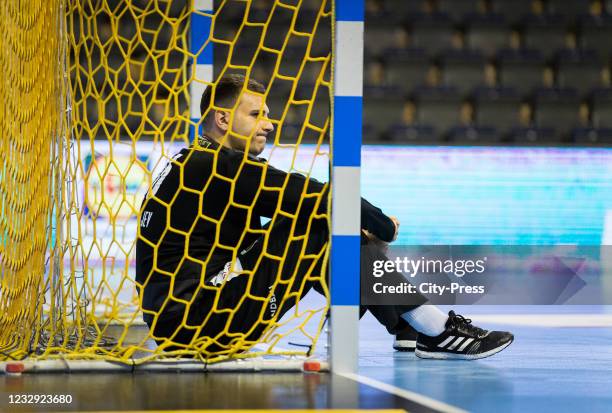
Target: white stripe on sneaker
{"points": [[456, 343], [445, 342], [445, 355], [465, 344]]}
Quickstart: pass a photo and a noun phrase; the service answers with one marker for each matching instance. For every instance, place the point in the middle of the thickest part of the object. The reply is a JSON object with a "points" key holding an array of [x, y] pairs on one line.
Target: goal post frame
{"points": [[199, 33], [347, 108]]}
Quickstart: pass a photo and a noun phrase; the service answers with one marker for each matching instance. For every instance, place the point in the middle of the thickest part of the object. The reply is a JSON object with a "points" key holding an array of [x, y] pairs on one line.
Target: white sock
{"points": [[427, 319]]}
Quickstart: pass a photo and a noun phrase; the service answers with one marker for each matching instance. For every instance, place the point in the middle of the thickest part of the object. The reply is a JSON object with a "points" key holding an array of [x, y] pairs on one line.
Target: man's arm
{"points": [[377, 223], [269, 190], [279, 189]]}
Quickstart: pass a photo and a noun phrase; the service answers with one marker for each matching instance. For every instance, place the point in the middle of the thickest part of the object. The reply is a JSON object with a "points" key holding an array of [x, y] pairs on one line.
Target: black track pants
{"points": [[285, 265]]}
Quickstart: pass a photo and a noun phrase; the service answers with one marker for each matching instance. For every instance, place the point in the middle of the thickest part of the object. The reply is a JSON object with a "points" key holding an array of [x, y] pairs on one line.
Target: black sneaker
{"points": [[406, 340], [461, 340]]}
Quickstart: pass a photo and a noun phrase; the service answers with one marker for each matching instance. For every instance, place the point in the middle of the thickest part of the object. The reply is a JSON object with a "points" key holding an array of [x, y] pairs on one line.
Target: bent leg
{"points": [[287, 266], [278, 270], [387, 315]]}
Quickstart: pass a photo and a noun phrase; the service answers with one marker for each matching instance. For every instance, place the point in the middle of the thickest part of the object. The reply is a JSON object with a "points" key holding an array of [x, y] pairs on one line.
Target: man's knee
{"points": [[373, 249]]}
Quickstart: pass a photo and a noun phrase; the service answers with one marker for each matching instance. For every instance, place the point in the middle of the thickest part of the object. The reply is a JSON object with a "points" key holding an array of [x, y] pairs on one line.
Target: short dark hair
{"points": [[227, 90]]}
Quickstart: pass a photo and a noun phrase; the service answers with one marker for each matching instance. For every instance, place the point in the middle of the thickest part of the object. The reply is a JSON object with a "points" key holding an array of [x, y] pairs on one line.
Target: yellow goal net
{"points": [[98, 96]]}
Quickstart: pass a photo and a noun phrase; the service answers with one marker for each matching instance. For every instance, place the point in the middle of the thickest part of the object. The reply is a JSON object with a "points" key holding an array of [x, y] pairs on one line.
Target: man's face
{"points": [[250, 122]]}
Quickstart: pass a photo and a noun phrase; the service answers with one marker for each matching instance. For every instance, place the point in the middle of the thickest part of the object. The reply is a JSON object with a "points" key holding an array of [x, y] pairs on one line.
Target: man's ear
{"points": [[222, 119]]}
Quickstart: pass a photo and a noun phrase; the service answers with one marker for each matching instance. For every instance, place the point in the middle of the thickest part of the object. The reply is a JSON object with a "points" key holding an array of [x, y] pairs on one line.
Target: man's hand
{"points": [[382, 245], [397, 225]]}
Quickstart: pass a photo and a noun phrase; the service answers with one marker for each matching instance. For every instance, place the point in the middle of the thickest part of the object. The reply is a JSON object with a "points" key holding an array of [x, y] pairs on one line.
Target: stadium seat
{"points": [[375, 73], [592, 136], [368, 134], [557, 109], [412, 134], [432, 32], [487, 33], [321, 44], [244, 48], [463, 69], [545, 33], [308, 79], [601, 102], [438, 106], [262, 66], [571, 8], [458, 9], [288, 133], [404, 7], [228, 19], [291, 60], [497, 107], [579, 69], [520, 69], [305, 90], [320, 108], [164, 36], [116, 63], [512, 10], [277, 104], [525, 136], [292, 125], [473, 135], [406, 68], [595, 33], [382, 107], [377, 35], [311, 4], [260, 12], [176, 9], [306, 20]]}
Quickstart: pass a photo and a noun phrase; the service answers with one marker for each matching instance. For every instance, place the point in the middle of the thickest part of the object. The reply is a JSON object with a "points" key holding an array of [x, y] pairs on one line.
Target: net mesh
{"points": [[97, 99]]}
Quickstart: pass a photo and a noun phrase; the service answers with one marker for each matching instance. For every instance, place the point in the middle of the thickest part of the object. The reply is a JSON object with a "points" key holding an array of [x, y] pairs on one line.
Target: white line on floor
{"points": [[403, 393]]}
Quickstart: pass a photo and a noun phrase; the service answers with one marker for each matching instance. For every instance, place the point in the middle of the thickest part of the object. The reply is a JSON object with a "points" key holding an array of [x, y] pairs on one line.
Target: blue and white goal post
{"points": [[201, 23], [346, 191]]}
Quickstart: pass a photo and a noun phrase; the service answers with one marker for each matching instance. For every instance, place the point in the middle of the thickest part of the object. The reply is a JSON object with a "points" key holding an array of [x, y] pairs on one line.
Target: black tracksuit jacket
{"points": [[203, 203]]}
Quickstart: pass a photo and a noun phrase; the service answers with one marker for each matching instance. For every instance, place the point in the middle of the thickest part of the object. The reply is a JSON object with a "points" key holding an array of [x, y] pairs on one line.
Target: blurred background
{"points": [[490, 72]]}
